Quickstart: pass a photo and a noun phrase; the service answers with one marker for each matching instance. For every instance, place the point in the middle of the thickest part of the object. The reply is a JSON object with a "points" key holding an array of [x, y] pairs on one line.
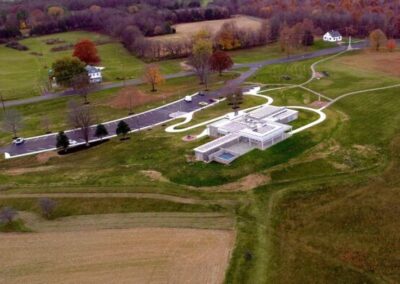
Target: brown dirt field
{"points": [[155, 176], [45, 157], [187, 30], [140, 255], [385, 62], [247, 183]]}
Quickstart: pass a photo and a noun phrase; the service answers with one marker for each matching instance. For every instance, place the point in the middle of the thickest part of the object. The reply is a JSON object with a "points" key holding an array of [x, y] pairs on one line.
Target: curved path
{"points": [[322, 118], [157, 116], [358, 92], [189, 116], [156, 196]]}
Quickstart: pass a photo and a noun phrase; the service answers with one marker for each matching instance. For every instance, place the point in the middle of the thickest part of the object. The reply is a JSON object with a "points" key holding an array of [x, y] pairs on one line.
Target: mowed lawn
{"points": [[359, 70], [23, 74], [272, 51]]}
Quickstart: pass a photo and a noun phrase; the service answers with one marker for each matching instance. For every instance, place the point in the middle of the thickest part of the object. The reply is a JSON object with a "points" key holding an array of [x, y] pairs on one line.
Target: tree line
{"points": [[350, 17], [147, 18]]}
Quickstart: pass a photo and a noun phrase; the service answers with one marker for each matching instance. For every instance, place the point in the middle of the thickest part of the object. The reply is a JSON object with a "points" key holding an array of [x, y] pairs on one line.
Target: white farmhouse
{"points": [[237, 135], [94, 73], [333, 36]]}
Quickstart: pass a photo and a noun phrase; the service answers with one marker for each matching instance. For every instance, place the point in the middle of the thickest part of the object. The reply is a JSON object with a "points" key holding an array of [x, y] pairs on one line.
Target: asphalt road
{"points": [[159, 115]]}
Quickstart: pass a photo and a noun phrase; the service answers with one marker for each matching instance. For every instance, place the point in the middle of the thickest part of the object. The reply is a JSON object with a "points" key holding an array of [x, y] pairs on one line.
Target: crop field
{"points": [[141, 255], [187, 30]]}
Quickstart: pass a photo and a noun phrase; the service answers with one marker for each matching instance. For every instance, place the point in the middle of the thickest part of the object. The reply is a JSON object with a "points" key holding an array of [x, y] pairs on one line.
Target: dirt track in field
{"points": [[198, 220], [140, 255]]}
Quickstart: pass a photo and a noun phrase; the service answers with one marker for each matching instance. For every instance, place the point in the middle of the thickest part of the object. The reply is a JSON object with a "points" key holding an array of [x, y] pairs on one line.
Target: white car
{"points": [[72, 142], [203, 104], [19, 141], [188, 99]]}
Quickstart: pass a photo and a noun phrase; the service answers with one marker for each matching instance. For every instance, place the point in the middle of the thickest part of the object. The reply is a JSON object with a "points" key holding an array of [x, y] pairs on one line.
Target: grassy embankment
{"points": [[330, 216]]}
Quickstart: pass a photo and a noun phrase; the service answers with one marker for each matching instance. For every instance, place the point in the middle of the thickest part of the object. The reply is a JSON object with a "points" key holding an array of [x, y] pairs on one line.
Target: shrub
{"points": [[47, 206], [7, 215], [16, 45]]}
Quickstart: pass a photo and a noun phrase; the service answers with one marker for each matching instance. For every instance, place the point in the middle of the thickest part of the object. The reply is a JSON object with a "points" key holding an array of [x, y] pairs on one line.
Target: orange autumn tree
{"points": [[86, 51], [220, 61], [152, 75], [377, 39], [227, 37], [391, 45]]}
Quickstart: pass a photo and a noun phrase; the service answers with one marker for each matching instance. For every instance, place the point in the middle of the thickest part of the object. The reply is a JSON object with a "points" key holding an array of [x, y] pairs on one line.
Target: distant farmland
{"points": [[187, 30]]}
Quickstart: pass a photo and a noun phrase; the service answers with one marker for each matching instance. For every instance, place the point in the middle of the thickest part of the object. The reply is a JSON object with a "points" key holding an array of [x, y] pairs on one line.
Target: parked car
{"points": [[188, 99], [203, 104], [72, 142], [18, 141]]}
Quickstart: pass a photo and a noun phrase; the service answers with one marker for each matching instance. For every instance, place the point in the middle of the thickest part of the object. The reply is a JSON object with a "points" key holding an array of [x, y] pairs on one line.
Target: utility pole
{"points": [[2, 103], [349, 47]]}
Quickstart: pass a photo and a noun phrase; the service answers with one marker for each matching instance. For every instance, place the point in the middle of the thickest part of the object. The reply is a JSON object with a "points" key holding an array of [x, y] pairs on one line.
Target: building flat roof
{"points": [[264, 111], [233, 126], [282, 114], [217, 142]]}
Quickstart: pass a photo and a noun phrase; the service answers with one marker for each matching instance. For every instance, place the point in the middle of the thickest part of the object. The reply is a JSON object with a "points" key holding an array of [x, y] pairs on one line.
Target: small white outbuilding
{"points": [[333, 36]]}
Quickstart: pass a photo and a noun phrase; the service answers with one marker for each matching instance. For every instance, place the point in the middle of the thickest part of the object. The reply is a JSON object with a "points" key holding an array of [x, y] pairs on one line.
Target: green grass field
{"points": [[348, 78], [24, 74], [326, 212], [271, 51]]}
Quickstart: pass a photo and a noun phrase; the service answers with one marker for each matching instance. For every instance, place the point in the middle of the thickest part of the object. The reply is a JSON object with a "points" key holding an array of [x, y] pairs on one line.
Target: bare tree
{"points": [[235, 99], [200, 59], [82, 86], [46, 123], [7, 215], [47, 206], [81, 117], [12, 122]]}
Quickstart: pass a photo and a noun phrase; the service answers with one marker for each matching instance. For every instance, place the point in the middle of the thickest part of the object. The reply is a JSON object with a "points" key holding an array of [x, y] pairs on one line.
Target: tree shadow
{"points": [[83, 147]]}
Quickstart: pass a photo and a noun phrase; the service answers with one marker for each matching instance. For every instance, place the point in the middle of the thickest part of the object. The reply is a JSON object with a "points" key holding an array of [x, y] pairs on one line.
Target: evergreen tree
{"points": [[101, 131], [122, 129], [62, 141]]}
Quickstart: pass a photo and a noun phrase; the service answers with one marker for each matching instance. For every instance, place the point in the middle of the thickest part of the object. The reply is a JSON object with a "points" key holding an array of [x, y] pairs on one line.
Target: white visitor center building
{"points": [[237, 135]]}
